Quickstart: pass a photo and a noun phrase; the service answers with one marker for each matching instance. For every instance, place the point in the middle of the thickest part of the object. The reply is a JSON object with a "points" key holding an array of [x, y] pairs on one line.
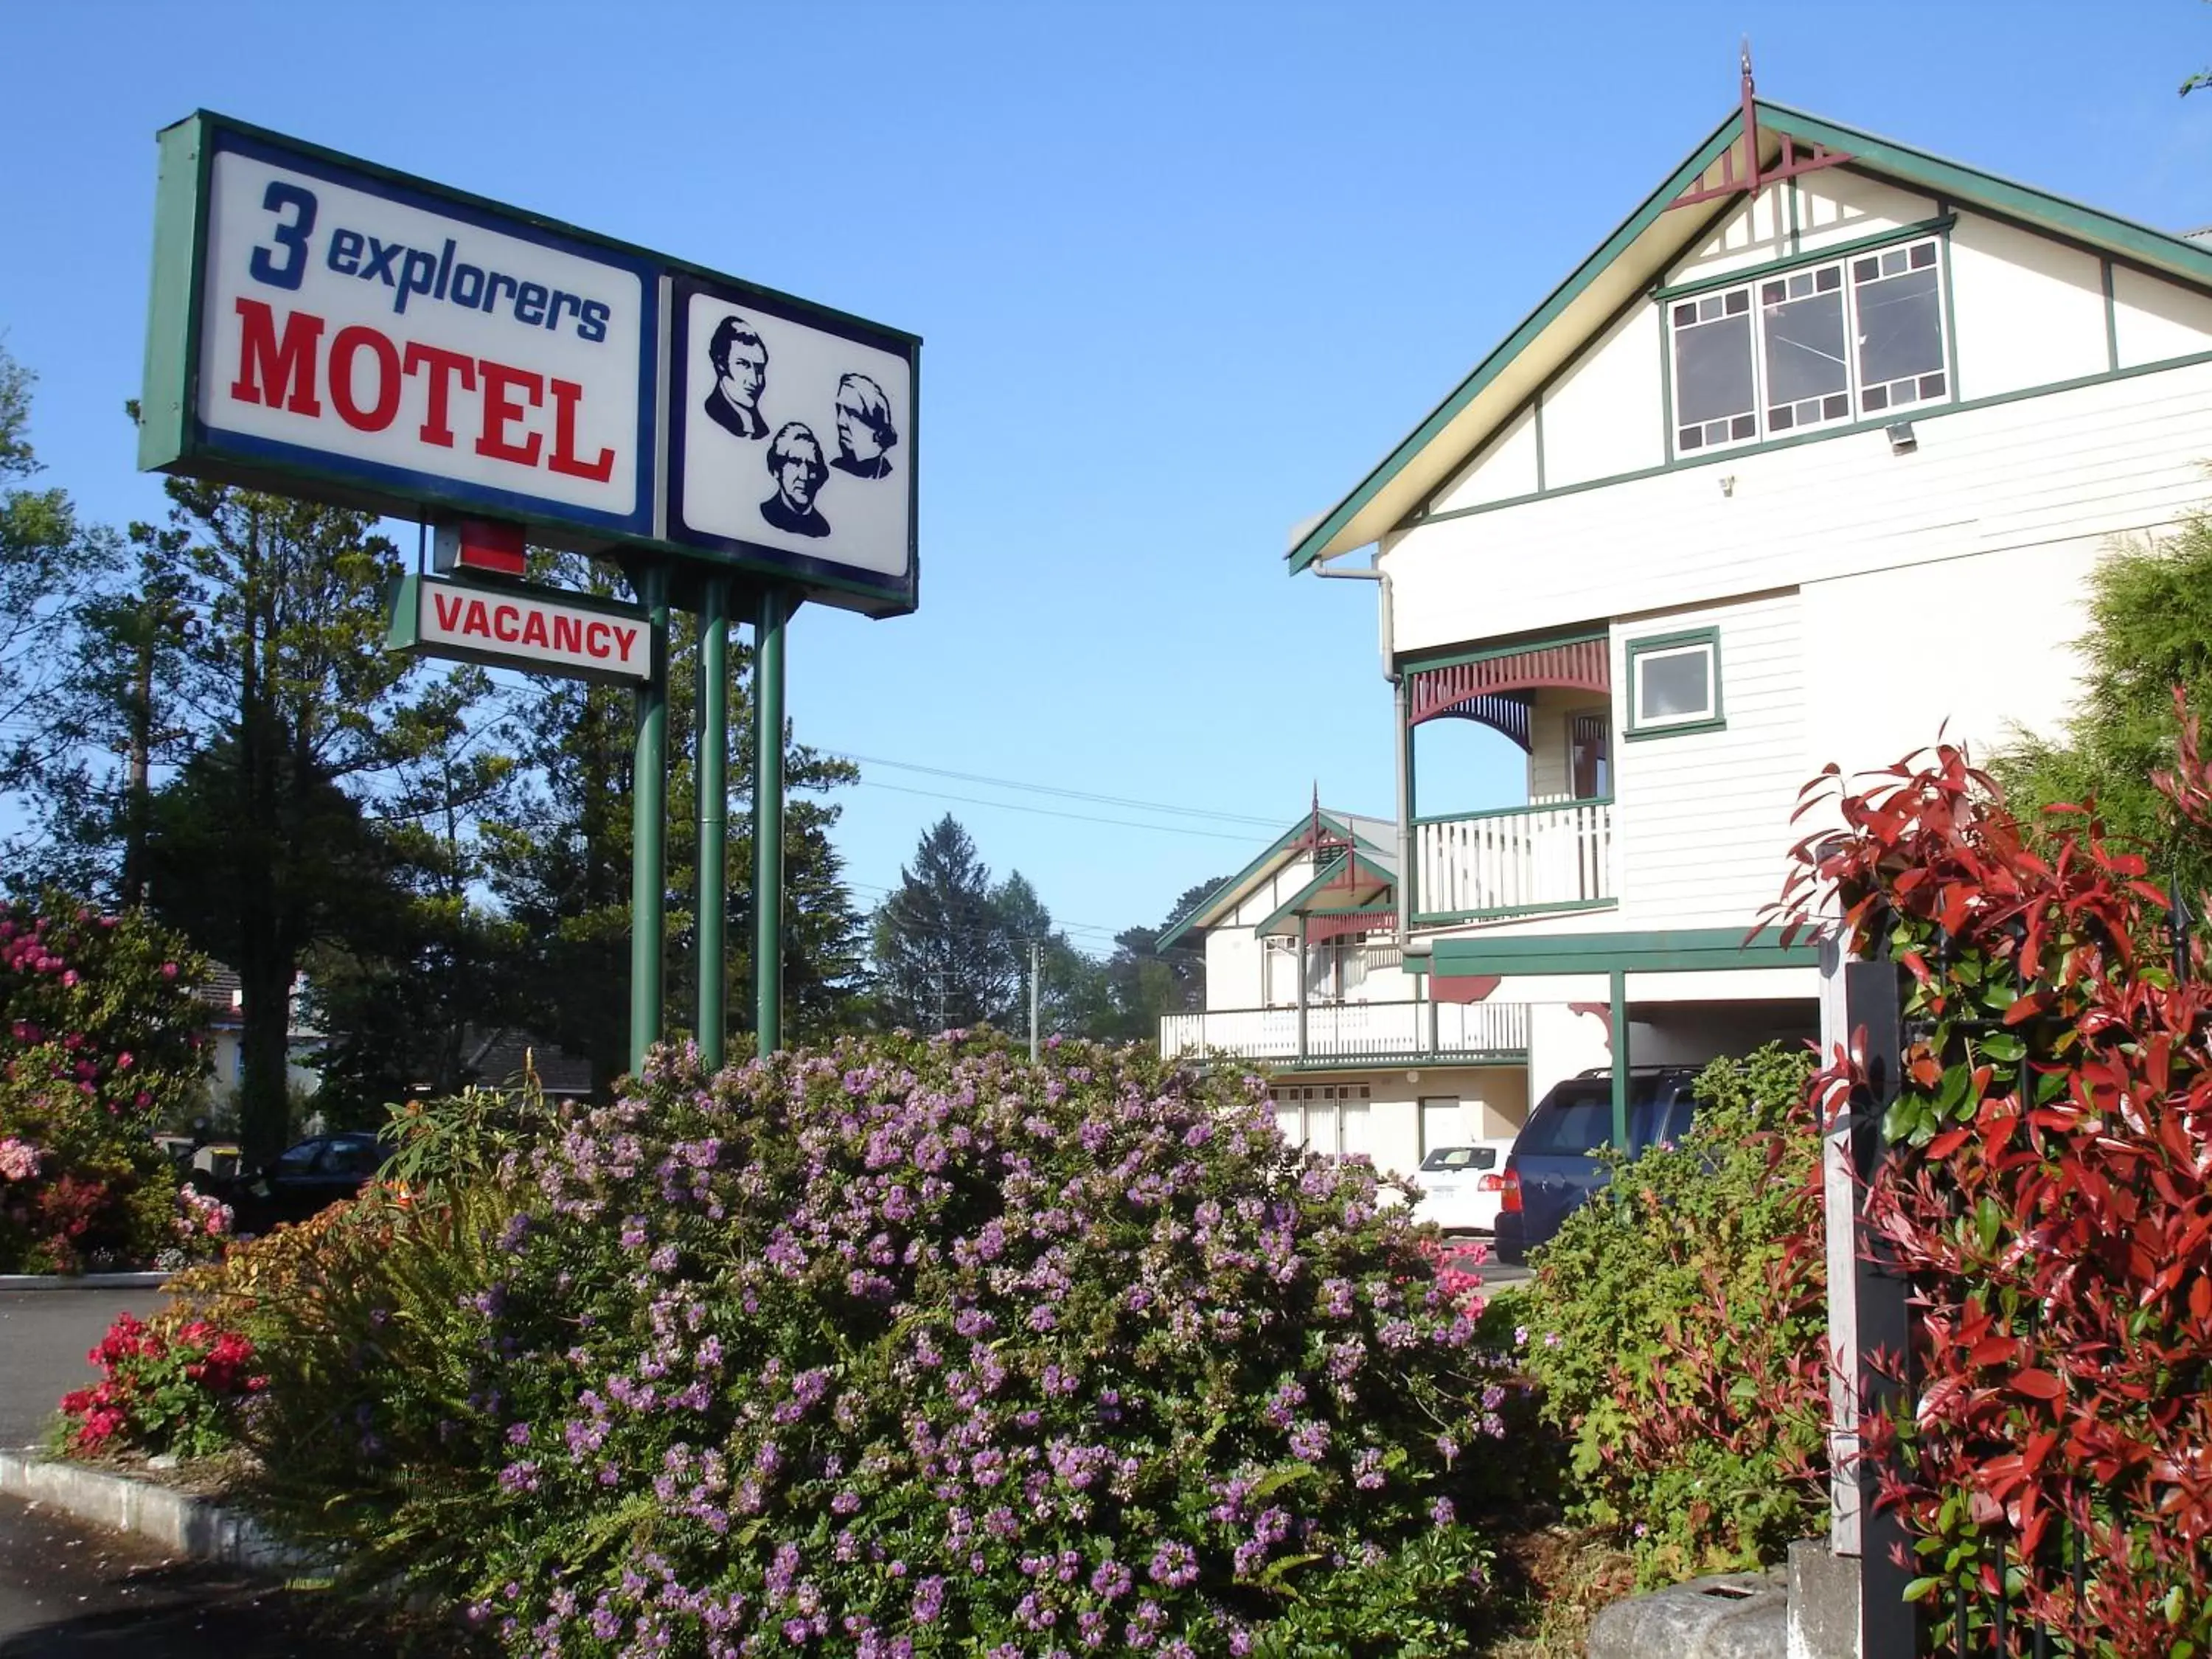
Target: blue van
{"points": [[1550, 1173]]}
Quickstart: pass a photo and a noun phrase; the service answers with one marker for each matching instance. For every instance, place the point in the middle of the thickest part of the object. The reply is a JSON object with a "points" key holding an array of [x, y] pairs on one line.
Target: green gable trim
{"points": [[1309, 546], [2155, 250], [1331, 873], [1940, 226], [1936, 176], [1285, 843], [2112, 319], [1674, 951]]}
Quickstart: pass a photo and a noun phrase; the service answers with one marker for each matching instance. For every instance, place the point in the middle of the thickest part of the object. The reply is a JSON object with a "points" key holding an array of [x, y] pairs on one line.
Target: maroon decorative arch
{"points": [[1485, 690]]}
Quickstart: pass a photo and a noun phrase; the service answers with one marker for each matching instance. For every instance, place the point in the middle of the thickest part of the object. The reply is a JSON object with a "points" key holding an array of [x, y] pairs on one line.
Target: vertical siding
{"points": [[1838, 204], [1606, 414], [1505, 468], [1757, 232], [2154, 320], [1834, 205], [1703, 818], [2027, 311]]}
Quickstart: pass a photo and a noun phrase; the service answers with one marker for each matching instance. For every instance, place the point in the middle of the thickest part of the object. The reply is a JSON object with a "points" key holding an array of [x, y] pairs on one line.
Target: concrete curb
{"points": [[146, 1281], [195, 1527]]}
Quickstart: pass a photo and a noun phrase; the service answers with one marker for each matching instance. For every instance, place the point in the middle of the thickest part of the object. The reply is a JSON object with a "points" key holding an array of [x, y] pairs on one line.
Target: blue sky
{"points": [[1183, 273]]}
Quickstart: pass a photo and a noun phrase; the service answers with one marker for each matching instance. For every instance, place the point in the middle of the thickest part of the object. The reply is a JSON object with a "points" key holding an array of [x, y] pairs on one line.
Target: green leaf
{"points": [[1276, 1480]]}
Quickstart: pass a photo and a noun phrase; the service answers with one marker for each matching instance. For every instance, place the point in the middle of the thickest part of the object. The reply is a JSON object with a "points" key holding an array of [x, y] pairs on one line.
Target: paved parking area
{"points": [[44, 1337], [72, 1591]]}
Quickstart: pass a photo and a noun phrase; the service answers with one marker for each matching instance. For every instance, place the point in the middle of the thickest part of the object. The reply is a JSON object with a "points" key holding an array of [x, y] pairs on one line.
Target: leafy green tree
{"points": [[2150, 611], [943, 957], [50, 564], [402, 996], [1145, 982], [1074, 996], [119, 712], [259, 848]]}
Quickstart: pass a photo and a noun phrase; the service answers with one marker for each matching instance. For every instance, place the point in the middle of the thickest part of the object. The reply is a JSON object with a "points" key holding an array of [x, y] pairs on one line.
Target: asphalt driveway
{"points": [[44, 1338]]}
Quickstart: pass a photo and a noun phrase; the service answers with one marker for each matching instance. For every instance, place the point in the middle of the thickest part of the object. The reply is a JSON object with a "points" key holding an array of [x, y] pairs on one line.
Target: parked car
{"points": [[1462, 1187], [306, 1177], [1550, 1173]]}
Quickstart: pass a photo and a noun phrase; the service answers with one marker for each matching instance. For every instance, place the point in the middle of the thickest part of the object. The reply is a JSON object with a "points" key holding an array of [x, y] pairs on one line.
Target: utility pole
{"points": [[1036, 947]]}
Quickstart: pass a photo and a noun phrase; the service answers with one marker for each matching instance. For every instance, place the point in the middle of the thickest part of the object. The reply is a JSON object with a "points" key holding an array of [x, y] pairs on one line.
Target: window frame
{"points": [[1842, 260], [1638, 729]]}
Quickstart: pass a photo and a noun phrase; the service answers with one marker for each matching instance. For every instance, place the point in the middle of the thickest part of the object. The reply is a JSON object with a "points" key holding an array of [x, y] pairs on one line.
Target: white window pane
{"points": [[1354, 1129], [1802, 326], [1900, 328], [1673, 685], [1714, 397], [1288, 1119]]}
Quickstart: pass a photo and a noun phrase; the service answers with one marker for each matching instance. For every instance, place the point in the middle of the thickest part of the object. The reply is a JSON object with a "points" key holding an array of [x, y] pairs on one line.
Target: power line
{"points": [[1054, 789], [1047, 812]]}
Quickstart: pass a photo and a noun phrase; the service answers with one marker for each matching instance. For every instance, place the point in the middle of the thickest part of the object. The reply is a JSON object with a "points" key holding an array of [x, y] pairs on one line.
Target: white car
{"points": [[1462, 1187]]}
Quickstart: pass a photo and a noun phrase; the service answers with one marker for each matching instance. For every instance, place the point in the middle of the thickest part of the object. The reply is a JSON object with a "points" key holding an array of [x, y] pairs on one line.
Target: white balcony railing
{"points": [[1353, 1030], [1516, 862]]}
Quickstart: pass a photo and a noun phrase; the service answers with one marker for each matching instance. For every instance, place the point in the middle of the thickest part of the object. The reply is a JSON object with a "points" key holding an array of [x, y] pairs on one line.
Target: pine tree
{"points": [[51, 564], [941, 951], [259, 849]]}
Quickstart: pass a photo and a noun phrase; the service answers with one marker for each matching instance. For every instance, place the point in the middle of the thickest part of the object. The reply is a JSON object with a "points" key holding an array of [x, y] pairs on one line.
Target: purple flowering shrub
{"points": [[908, 1347]]}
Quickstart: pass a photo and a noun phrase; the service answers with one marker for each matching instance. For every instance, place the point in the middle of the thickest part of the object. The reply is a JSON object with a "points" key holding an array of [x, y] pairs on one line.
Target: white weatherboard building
{"points": [[1811, 457], [1304, 974]]}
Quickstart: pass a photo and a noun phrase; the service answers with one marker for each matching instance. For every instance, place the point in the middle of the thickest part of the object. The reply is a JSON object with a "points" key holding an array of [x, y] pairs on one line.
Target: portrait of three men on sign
{"points": [[796, 465]]}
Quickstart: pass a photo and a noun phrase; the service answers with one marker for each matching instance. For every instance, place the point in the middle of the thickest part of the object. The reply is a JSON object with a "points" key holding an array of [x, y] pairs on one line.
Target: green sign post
{"points": [[768, 818], [713, 793], [648, 806]]}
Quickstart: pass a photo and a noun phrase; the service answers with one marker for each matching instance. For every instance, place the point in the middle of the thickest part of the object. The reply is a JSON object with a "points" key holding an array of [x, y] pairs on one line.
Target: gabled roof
{"points": [[1349, 883], [1641, 249], [1374, 838]]}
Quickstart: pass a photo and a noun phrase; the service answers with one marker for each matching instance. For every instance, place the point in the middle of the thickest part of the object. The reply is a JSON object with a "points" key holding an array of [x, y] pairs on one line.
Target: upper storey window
{"points": [[1819, 346]]}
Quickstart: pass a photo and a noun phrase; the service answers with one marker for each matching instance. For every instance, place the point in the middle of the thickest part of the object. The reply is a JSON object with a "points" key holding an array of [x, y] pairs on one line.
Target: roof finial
{"points": [[1746, 66]]}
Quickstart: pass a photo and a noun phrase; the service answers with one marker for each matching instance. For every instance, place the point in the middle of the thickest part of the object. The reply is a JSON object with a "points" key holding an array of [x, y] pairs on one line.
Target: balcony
{"points": [[1390, 1032], [1517, 861]]}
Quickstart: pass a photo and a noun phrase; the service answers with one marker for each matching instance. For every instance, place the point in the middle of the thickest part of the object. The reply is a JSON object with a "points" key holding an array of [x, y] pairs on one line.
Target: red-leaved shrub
{"points": [[2049, 1192]]}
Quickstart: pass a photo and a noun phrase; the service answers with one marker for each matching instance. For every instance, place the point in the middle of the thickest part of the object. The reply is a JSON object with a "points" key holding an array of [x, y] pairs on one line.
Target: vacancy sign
{"points": [[509, 625], [407, 349]]}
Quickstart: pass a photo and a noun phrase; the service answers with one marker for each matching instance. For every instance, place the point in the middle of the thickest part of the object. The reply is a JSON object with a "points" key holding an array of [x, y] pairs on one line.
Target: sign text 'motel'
{"points": [[327, 328]]}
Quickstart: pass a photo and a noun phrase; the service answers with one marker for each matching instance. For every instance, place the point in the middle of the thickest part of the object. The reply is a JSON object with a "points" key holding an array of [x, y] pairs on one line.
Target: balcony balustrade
{"points": [[1521, 860], [1387, 1032]]}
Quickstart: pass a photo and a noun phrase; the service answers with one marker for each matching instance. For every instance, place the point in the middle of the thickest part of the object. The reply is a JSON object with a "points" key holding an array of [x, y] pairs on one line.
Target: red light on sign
{"points": [[479, 545]]}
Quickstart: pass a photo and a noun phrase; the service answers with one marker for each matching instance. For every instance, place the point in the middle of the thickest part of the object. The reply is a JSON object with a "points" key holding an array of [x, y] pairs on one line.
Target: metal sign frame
{"points": [[174, 438], [406, 633]]}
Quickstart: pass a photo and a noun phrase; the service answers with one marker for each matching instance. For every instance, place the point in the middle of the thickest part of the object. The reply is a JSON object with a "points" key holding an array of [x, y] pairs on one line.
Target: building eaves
{"points": [[1646, 243]]}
